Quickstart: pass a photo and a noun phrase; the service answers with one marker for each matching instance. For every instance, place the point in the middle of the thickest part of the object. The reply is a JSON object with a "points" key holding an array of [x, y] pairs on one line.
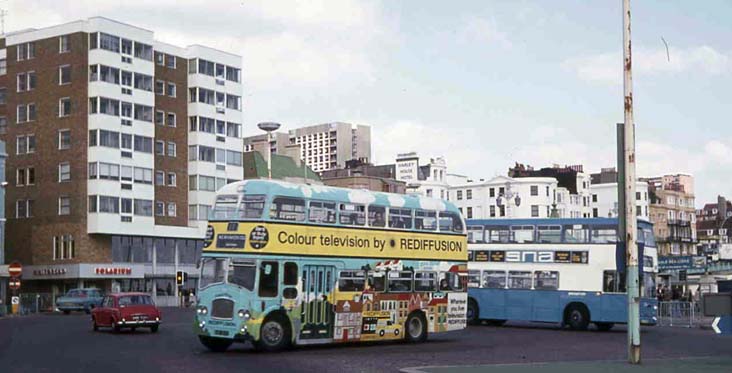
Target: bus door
{"points": [[317, 315]]}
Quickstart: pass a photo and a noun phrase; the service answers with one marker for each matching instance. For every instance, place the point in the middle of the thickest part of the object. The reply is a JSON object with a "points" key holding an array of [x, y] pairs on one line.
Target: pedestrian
{"points": [[192, 298]]}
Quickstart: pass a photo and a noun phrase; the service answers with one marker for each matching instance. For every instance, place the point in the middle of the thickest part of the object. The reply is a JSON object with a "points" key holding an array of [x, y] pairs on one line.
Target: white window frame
{"points": [[60, 173], [61, 114], [60, 75], [175, 120], [174, 179], [174, 210], [175, 89], [64, 130], [61, 44], [167, 149], [60, 205]]}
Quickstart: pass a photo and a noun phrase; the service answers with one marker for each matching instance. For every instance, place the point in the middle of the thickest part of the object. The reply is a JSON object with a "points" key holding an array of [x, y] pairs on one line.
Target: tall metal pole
{"points": [[269, 154], [634, 348]]}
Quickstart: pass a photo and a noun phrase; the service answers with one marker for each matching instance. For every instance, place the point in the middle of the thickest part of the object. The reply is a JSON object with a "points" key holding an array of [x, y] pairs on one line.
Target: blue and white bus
{"points": [[555, 271]]}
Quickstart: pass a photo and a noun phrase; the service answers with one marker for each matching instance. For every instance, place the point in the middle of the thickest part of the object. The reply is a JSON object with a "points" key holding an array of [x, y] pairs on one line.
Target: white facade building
{"points": [[429, 180], [328, 146], [605, 200], [505, 197]]}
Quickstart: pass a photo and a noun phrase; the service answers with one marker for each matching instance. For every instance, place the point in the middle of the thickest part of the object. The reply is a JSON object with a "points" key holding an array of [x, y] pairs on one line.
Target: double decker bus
{"points": [[555, 271], [287, 263]]}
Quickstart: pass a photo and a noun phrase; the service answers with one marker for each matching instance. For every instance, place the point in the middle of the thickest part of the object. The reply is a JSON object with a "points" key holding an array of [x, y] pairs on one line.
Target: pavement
{"points": [[67, 343]]}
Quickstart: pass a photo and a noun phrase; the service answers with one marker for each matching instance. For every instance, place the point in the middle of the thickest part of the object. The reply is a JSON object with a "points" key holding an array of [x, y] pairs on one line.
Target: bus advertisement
{"points": [[287, 264], [554, 271]]}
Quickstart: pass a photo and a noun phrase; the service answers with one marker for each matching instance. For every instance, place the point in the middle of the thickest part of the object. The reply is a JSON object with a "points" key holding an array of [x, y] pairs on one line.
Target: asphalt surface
{"points": [[59, 343]]}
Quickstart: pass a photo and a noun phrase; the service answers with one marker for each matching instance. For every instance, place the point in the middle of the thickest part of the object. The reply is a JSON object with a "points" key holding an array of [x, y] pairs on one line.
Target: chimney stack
{"points": [[722, 207]]}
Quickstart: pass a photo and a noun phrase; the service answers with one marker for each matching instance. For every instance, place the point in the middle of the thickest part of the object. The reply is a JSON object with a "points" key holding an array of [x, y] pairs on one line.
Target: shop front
{"points": [[57, 279]]}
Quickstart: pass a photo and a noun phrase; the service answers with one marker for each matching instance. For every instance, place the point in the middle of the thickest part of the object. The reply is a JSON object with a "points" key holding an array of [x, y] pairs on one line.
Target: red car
{"points": [[127, 310]]}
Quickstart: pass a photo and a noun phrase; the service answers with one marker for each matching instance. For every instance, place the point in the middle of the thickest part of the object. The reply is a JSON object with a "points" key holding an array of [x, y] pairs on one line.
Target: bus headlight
{"points": [[202, 310], [244, 314]]}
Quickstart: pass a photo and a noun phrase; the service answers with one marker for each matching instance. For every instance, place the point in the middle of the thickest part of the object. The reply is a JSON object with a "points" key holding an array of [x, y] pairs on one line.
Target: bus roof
{"points": [[550, 221], [328, 193]]}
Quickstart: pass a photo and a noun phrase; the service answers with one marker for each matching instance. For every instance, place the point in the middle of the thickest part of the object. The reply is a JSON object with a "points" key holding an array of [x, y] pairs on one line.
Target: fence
{"points": [[677, 313], [36, 302]]}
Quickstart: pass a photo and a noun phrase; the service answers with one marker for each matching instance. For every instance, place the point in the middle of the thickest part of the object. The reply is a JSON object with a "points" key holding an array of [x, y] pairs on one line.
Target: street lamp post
{"points": [[269, 127]]}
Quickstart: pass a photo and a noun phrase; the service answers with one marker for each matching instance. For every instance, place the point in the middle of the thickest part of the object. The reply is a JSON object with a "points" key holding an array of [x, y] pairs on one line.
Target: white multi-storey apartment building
{"points": [[505, 197], [105, 124], [605, 200], [329, 146]]}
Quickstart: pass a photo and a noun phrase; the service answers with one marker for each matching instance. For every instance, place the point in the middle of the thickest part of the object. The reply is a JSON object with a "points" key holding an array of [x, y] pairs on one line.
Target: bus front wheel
{"points": [[577, 317], [416, 327], [604, 326], [215, 344], [274, 334], [473, 312]]}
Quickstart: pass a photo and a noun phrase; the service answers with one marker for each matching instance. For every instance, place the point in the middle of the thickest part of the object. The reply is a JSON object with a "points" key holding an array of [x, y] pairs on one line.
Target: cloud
{"points": [[607, 68]]}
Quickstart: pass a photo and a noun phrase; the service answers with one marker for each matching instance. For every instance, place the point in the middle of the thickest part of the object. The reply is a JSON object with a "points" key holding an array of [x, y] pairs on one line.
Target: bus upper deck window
{"points": [[352, 214], [604, 234], [425, 220], [450, 222], [498, 233], [576, 233], [322, 212], [286, 208], [251, 206], [522, 233], [400, 218], [549, 233], [475, 234], [377, 216]]}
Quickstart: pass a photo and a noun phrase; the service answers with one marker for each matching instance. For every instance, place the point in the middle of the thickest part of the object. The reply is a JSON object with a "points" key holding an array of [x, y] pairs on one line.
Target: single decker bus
{"points": [[286, 264], [554, 271]]}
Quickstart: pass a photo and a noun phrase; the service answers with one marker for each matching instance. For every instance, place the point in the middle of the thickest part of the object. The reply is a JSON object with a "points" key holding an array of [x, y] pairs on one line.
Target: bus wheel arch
{"points": [[473, 313], [577, 316], [275, 332], [416, 327]]}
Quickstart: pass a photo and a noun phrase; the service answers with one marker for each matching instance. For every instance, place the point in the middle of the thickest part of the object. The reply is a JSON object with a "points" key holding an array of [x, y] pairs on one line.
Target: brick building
{"points": [[672, 212], [117, 143]]}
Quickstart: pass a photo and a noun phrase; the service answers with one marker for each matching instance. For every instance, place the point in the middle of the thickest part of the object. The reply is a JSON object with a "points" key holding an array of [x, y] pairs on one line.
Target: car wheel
{"points": [[416, 328], [133, 329], [154, 328], [95, 327], [215, 344], [274, 334], [116, 328], [66, 312]]}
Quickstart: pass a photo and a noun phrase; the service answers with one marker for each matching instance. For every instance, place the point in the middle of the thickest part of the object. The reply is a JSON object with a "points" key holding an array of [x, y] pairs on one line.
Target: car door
{"points": [[107, 310]]}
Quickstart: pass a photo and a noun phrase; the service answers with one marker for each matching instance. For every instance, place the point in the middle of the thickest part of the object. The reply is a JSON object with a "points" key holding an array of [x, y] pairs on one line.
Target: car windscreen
{"points": [[135, 300]]}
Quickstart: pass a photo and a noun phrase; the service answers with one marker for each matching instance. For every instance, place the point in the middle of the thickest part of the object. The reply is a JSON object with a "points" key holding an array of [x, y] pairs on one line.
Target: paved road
{"points": [[58, 343]]}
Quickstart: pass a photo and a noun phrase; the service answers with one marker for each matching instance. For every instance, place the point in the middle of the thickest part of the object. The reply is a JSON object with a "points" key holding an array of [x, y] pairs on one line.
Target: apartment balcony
{"points": [[678, 239], [679, 223]]}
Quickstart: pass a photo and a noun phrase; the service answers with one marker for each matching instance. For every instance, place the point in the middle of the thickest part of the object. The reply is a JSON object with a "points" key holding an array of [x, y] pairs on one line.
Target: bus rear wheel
{"points": [[473, 312], [416, 328], [215, 344], [604, 326], [577, 317]]}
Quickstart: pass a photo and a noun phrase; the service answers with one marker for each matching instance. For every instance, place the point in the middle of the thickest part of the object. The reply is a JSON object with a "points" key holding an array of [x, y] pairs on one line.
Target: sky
{"points": [[483, 84]]}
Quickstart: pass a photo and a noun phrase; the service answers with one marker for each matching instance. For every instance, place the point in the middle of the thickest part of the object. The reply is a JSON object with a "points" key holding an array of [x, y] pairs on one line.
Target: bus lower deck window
{"points": [[268, 279], [519, 280], [400, 282], [494, 279], [425, 281], [546, 280], [377, 281]]}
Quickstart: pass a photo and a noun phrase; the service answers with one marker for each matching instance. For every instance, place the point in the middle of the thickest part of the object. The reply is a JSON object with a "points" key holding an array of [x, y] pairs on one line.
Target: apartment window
{"points": [[159, 208], [459, 195], [63, 44], [143, 51], [160, 147], [534, 211], [125, 141], [469, 194], [233, 129], [535, 190], [26, 81], [143, 207], [232, 74], [3, 125], [109, 204], [25, 144], [159, 87], [126, 205], [170, 61], [170, 120], [144, 113], [233, 102], [26, 51], [143, 82], [594, 198], [595, 212], [3, 66], [3, 96], [64, 205], [64, 74], [171, 149], [159, 178], [470, 212], [109, 74], [143, 175], [64, 172], [159, 117], [64, 139], [493, 211], [24, 208], [637, 196], [172, 209], [170, 89], [159, 58], [20, 177], [64, 107]]}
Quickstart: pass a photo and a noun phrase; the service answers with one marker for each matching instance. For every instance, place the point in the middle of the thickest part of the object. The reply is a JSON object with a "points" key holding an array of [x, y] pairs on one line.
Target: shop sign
{"points": [[115, 271], [49, 271]]}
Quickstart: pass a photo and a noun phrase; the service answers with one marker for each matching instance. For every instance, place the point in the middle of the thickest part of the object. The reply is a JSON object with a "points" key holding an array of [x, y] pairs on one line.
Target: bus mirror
{"points": [[267, 269]]}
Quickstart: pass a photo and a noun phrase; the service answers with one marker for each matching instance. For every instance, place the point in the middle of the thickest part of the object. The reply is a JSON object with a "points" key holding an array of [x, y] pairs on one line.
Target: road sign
{"points": [[15, 301], [722, 325], [15, 269], [14, 283]]}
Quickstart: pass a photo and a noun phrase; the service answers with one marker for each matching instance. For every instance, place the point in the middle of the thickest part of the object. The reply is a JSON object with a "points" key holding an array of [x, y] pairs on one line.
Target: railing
{"points": [[36, 302], [677, 313]]}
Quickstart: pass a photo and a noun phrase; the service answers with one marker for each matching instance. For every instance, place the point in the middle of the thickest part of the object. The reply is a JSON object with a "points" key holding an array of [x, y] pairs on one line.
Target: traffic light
{"points": [[179, 277]]}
